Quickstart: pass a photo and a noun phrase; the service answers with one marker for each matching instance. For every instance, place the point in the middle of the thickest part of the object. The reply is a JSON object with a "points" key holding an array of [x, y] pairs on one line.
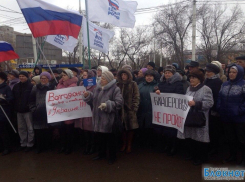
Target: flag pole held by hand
{"points": [[8, 118]]}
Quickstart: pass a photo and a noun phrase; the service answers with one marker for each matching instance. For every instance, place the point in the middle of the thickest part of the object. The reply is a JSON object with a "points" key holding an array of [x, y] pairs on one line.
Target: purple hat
{"points": [[47, 74], [144, 70]]}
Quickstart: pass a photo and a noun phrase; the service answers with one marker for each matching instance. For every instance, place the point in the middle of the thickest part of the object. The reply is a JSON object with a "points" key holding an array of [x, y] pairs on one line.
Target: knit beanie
{"points": [[47, 74], [144, 70], [170, 68], [69, 73], [213, 68], [24, 73], [108, 76], [3, 76], [152, 64], [15, 73], [36, 79]]}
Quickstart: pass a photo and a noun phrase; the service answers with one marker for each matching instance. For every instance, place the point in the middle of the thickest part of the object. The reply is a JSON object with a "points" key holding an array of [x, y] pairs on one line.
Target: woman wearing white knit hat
{"points": [[221, 72]]}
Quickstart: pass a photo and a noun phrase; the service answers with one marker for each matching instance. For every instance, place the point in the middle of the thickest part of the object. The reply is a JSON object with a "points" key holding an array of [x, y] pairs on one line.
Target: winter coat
{"points": [[145, 107], [231, 101], [131, 97], [67, 84], [175, 86], [37, 105], [40, 70], [157, 76], [111, 95], [203, 98], [13, 82], [140, 80], [172, 85], [214, 83], [86, 123], [53, 82], [21, 92], [6, 97], [185, 83]]}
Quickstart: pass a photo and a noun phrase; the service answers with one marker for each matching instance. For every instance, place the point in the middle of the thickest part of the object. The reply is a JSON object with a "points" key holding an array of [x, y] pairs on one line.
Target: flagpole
{"points": [[46, 61], [80, 38], [89, 62]]}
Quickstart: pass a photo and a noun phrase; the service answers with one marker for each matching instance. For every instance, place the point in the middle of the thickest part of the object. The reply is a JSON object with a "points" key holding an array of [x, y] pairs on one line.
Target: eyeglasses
{"points": [[43, 78]]}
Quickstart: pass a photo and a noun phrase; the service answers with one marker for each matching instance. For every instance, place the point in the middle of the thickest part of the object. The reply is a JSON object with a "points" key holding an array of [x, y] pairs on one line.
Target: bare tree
{"points": [[134, 43], [221, 29], [171, 27]]}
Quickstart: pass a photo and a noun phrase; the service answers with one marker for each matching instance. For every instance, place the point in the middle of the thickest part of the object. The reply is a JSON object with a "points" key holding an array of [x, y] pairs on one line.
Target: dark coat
{"points": [[231, 101], [214, 84], [185, 83], [37, 105], [145, 107], [6, 97], [53, 82], [21, 92], [140, 80], [172, 85], [131, 97]]}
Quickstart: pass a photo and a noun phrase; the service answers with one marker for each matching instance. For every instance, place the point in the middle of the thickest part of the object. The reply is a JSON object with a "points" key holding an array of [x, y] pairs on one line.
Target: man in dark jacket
{"points": [[6, 97], [151, 66], [21, 92]]}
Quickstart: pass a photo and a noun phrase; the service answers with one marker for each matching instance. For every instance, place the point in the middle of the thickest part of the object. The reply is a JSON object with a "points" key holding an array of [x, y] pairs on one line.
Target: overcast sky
{"points": [[141, 19]]}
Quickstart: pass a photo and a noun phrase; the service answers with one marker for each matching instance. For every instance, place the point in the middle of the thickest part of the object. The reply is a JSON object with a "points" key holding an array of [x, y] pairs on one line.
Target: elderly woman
{"points": [[131, 99], [145, 108], [202, 101], [86, 123], [107, 100], [68, 80], [38, 108], [231, 106], [171, 83]]}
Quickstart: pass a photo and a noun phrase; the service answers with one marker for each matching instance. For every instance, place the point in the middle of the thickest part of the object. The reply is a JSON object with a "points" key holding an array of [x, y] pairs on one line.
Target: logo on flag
{"points": [[98, 40], [113, 9], [61, 39]]}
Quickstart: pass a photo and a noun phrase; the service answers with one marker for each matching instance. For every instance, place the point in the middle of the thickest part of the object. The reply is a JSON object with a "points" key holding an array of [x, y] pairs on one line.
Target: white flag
{"points": [[116, 12], [99, 37], [64, 42]]}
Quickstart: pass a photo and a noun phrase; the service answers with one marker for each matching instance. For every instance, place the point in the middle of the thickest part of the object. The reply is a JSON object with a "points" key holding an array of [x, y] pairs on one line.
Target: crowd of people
{"points": [[122, 110]]}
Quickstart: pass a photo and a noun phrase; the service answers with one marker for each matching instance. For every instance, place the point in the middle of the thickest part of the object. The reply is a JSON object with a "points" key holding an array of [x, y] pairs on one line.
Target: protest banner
{"points": [[66, 104], [170, 110]]}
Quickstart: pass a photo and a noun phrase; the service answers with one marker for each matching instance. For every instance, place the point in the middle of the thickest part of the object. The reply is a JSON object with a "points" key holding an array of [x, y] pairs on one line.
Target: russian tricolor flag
{"points": [[46, 19], [7, 52]]}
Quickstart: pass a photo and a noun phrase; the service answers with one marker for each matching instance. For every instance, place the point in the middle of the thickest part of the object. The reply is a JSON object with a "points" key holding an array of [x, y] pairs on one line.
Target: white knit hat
{"points": [[69, 73], [108, 76]]}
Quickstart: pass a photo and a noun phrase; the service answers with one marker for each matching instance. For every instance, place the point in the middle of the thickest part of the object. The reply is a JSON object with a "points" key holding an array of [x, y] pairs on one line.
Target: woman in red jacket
{"points": [[67, 129]]}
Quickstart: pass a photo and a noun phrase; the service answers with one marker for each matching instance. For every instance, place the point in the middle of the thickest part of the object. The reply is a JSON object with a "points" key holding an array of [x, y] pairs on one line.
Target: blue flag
{"points": [[89, 82]]}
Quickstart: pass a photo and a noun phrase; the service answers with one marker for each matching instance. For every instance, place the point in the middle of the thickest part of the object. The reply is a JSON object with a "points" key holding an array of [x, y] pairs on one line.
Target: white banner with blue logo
{"points": [[67, 43], [116, 12], [99, 37]]}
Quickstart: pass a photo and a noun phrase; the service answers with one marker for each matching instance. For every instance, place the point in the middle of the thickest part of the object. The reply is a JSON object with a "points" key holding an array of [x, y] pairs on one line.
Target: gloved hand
{"points": [[102, 106]]}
